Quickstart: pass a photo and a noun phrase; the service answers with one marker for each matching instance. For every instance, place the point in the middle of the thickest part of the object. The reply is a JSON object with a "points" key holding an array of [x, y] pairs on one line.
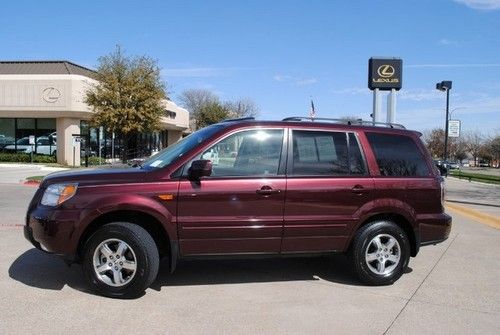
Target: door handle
{"points": [[268, 190], [359, 189]]}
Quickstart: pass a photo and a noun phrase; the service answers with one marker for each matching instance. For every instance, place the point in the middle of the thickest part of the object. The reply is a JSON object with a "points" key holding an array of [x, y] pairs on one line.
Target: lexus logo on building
{"points": [[385, 71], [51, 94]]}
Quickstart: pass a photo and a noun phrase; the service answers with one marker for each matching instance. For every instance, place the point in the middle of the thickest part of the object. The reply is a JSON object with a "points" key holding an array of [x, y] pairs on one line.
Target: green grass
{"points": [[483, 178], [35, 178]]}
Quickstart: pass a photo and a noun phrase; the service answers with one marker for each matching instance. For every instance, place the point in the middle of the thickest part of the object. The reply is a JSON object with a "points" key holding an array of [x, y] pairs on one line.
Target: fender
{"points": [[131, 202], [383, 206]]}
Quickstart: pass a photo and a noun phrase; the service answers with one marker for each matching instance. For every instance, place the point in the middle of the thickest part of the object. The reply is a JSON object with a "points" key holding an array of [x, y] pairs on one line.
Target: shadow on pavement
{"points": [[37, 269], [206, 272]]}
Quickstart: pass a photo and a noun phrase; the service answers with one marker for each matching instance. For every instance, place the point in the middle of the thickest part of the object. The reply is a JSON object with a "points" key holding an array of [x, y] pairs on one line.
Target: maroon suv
{"points": [[246, 187]]}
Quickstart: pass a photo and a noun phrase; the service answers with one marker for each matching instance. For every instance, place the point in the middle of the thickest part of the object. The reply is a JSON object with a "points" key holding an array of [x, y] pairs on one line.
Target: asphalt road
{"points": [[450, 288], [478, 196]]}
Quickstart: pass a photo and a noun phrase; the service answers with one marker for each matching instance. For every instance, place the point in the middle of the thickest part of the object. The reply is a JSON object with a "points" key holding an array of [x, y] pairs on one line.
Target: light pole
{"points": [[445, 86]]}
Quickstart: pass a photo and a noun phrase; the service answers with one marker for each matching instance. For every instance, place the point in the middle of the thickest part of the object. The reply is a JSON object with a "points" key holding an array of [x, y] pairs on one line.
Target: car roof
{"points": [[321, 123]]}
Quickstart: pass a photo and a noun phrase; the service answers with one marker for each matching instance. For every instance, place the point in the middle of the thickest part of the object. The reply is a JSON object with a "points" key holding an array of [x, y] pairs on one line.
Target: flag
{"points": [[312, 114]]}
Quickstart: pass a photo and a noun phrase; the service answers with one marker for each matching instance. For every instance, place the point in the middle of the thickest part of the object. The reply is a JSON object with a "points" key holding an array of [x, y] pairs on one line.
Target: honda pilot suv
{"points": [[276, 188]]}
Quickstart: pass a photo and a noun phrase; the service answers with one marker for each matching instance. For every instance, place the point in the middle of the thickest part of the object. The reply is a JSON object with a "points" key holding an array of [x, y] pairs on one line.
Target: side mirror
{"points": [[200, 168]]}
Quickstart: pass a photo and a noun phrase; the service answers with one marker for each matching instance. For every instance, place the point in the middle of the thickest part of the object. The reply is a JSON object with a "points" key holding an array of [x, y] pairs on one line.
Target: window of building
{"points": [[397, 155], [15, 133], [7, 132]]}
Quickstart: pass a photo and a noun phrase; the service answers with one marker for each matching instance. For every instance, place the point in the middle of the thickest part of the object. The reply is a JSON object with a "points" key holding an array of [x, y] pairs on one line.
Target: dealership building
{"points": [[42, 110]]}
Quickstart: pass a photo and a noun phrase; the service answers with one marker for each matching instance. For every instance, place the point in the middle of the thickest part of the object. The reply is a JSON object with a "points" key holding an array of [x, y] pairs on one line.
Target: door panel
{"points": [[327, 185], [319, 212], [239, 209], [230, 216]]}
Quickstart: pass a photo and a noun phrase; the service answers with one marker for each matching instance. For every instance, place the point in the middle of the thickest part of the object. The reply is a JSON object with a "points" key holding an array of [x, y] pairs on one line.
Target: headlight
{"points": [[58, 193]]}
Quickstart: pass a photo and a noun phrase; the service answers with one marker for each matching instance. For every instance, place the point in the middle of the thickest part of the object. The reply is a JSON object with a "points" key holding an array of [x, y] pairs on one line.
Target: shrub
{"points": [[25, 158]]}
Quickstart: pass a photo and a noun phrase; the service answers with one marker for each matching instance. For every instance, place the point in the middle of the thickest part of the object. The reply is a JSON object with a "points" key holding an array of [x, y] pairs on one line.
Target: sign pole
{"points": [[375, 105], [446, 126], [391, 106]]}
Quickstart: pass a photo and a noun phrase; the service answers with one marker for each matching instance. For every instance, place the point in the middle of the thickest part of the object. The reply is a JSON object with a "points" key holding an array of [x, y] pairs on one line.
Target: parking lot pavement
{"points": [[477, 196], [15, 173], [450, 288]]}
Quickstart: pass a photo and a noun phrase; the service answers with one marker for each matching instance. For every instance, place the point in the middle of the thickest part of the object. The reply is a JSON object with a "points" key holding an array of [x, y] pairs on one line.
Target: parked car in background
{"points": [[442, 167], [6, 140], [44, 146], [280, 188]]}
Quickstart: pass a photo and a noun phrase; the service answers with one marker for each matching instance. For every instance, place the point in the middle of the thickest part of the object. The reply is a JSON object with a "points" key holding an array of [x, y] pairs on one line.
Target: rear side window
{"points": [[326, 153], [397, 155]]}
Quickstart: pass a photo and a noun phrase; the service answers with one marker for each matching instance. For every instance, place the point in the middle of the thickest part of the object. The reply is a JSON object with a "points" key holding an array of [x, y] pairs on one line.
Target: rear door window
{"points": [[326, 153], [397, 155]]}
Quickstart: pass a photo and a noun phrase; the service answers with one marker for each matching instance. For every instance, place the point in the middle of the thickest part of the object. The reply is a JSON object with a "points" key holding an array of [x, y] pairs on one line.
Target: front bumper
{"points": [[28, 234], [53, 230]]}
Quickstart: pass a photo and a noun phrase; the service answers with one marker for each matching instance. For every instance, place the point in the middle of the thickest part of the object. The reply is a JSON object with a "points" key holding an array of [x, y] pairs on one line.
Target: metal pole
{"points": [[375, 113], [446, 127], [113, 146], [391, 106]]}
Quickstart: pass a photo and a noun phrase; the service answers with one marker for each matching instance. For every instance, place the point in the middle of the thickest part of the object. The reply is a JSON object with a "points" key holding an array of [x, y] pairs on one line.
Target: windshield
{"points": [[177, 150]]}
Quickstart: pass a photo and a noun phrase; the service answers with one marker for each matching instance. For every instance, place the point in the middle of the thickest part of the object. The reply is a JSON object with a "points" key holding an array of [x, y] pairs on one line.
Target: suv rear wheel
{"points": [[121, 260], [380, 252]]}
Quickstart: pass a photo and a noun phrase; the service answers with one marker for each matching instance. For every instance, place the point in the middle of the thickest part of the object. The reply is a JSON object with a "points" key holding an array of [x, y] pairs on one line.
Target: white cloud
{"points": [[452, 65], [482, 113], [446, 41], [282, 77], [420, 94], [298, 81], [352, 91], [193, 72], [308, 81], [481, 4]]}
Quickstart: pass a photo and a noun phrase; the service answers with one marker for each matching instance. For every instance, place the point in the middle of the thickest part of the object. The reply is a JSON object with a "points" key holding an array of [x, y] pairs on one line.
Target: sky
{"points": [[283, 53]]}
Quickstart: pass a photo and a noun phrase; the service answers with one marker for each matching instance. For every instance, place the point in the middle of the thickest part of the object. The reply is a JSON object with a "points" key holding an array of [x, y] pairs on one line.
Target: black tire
{"points": [[140, 247], [364, 245]]}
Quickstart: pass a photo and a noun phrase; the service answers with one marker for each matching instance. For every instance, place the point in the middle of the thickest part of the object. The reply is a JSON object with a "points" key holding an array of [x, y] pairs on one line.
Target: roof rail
{"points": [[248, 118], [344, 121]]}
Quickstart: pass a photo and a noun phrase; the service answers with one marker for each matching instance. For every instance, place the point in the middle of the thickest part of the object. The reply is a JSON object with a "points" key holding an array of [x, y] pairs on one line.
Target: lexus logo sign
{"points": [[385, 73], [51, 94]]}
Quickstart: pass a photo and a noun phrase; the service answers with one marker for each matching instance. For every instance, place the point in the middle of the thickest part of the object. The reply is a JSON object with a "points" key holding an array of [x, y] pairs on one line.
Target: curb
{"points": [[475, 215], [31, 182]]}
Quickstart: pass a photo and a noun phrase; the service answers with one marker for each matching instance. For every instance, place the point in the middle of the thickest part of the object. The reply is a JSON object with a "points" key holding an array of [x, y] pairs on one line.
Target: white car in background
{"points": [[44, 146]]}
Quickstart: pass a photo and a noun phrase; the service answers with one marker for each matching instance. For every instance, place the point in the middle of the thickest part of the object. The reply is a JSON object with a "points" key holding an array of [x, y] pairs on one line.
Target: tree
{"points": [[474, 141], [242, 107], [210, 113], [194, 100], [434, 140], [127, 98], [495, 149], [459, 152], [200, 102]]}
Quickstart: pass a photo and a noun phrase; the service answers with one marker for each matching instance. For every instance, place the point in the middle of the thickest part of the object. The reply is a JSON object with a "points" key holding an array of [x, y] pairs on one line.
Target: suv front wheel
{"points": [[121, 260], [380, 252]]}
